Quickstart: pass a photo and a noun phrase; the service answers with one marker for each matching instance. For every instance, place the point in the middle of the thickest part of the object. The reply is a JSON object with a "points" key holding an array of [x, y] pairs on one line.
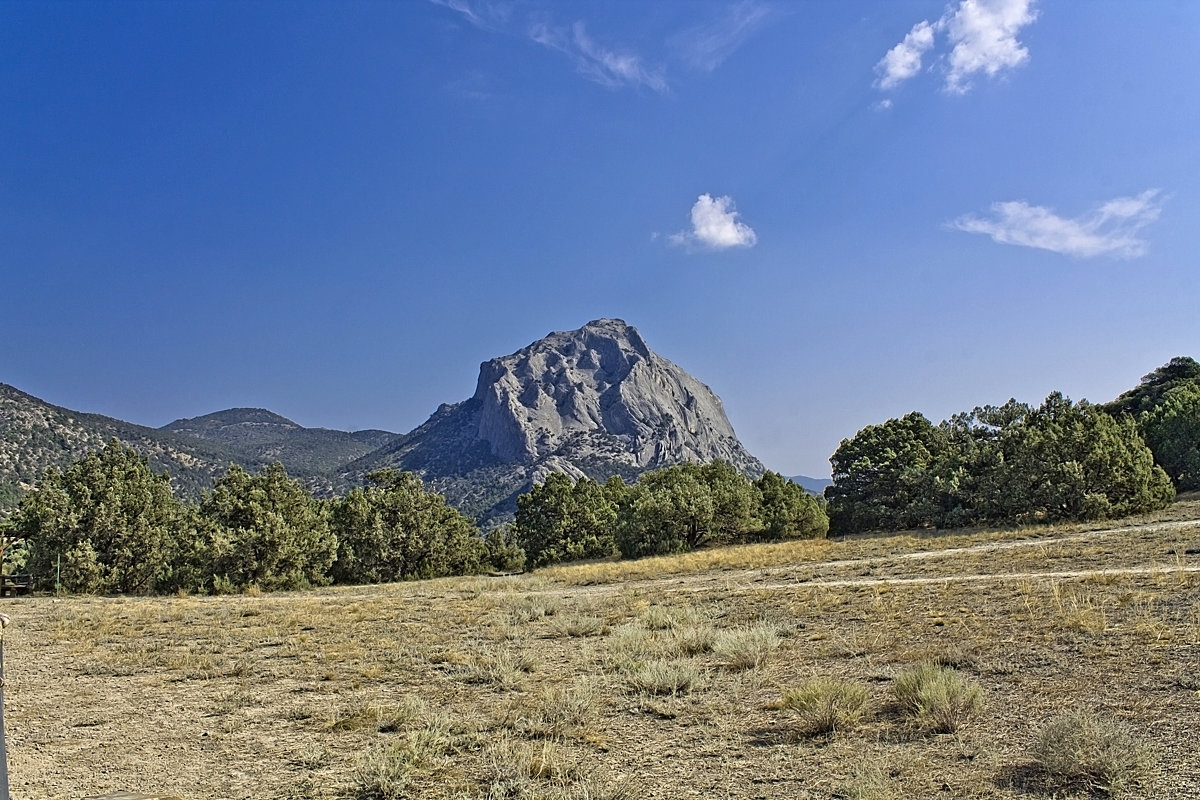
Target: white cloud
{"points": [[904, 60], [705, 47], [715, 226], [1112, 229], [596, 63], [982, 37]]}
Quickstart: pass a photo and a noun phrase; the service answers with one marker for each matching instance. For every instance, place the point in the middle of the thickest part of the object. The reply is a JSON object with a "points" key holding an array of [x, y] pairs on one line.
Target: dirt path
{"points": [[758, 578], [994, 576]]}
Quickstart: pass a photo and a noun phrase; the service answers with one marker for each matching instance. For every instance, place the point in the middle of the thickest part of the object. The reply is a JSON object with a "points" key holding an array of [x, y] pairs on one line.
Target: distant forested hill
{"points": [[258, 435], [35, 436], [813, 485]]}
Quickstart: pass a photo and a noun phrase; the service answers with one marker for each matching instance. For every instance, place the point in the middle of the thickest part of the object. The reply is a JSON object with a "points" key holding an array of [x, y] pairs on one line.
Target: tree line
{"points": [[1017, 463], [1165, 406], [108, 524], [669, 510]]}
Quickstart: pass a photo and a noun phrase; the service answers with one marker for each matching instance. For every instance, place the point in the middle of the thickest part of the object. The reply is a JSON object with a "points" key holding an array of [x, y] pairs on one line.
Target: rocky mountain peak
{"points": [[595, 401], [600, 379]]}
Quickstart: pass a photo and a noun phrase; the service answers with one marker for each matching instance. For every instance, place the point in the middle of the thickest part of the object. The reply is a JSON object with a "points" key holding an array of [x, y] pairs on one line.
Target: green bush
{"points": [[789, 512], [503, 552], [110, 522], [561, 520], [396, 530], [997, 464], [266, 531], [680, 508]]}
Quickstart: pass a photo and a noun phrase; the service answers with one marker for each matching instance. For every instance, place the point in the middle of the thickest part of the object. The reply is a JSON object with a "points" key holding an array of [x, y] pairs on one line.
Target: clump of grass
{"points": [[532, 607], [1083, 750], [746, 648], [574, 625], [385, 772], [630, 642], [692, 640], [957, 657], [545, 771], [940, 698], [657, 618], [662, 676], [515, 764], [868, 781], [383, 717], [560, 712], [310, 757], [506, 670], [1079, 610], [662, 618], [827, 705]]}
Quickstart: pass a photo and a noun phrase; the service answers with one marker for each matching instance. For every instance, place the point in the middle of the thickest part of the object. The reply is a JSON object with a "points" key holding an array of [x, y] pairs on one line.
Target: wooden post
{"points": [[3, 733]]}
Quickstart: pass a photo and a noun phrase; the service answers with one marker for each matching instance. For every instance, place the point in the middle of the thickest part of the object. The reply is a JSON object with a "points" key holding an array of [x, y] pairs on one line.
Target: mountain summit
{"points": [[594, 401]]}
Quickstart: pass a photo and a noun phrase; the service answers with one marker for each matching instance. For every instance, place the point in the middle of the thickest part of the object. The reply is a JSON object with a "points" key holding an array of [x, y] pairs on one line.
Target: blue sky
{"points": [[831, 212]]}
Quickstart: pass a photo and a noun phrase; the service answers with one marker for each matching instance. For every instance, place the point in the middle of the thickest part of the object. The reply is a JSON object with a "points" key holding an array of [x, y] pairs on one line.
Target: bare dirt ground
{"points": [[552, 685]]}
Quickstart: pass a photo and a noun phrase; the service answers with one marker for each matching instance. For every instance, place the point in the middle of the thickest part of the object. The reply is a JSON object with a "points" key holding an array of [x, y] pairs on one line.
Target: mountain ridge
{"points": [[595, 401], [36, 435]]}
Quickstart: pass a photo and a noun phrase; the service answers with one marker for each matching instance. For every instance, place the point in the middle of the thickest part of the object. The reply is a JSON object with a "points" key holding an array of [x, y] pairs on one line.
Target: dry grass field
{"points": [[884, 667]]}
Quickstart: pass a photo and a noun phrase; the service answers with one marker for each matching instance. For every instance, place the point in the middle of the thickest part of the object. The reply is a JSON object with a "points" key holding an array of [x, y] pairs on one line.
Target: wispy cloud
{"points": [[705, 46], [702, 44], [480, 13], [715, 226], [474, 85], [982, 38], [598, 63], [1112, 229]]}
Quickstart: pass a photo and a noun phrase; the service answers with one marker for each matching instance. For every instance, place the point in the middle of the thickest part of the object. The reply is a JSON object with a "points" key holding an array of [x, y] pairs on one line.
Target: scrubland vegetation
{"points": [[1044, 662], [107, 524]]}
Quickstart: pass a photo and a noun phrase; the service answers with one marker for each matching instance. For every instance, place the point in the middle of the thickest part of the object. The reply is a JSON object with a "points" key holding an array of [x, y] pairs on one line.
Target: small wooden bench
{"points": [[12, 585]]}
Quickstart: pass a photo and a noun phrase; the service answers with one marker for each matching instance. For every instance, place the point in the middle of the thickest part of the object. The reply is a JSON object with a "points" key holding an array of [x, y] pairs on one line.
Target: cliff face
{"points": [[594, 401], [601, 380]]}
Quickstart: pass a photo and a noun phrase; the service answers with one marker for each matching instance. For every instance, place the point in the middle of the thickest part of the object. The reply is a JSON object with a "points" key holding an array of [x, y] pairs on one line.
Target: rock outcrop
{"points": [[595, 401]]}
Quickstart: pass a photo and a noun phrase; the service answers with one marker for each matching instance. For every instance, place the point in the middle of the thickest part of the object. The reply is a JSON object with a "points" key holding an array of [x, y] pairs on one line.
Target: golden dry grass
{"points": [[654, 679]]}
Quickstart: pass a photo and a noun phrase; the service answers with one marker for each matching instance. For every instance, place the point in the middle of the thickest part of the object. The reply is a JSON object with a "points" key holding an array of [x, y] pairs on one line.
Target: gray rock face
{"points": [[601, 380], [594, 401]]}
